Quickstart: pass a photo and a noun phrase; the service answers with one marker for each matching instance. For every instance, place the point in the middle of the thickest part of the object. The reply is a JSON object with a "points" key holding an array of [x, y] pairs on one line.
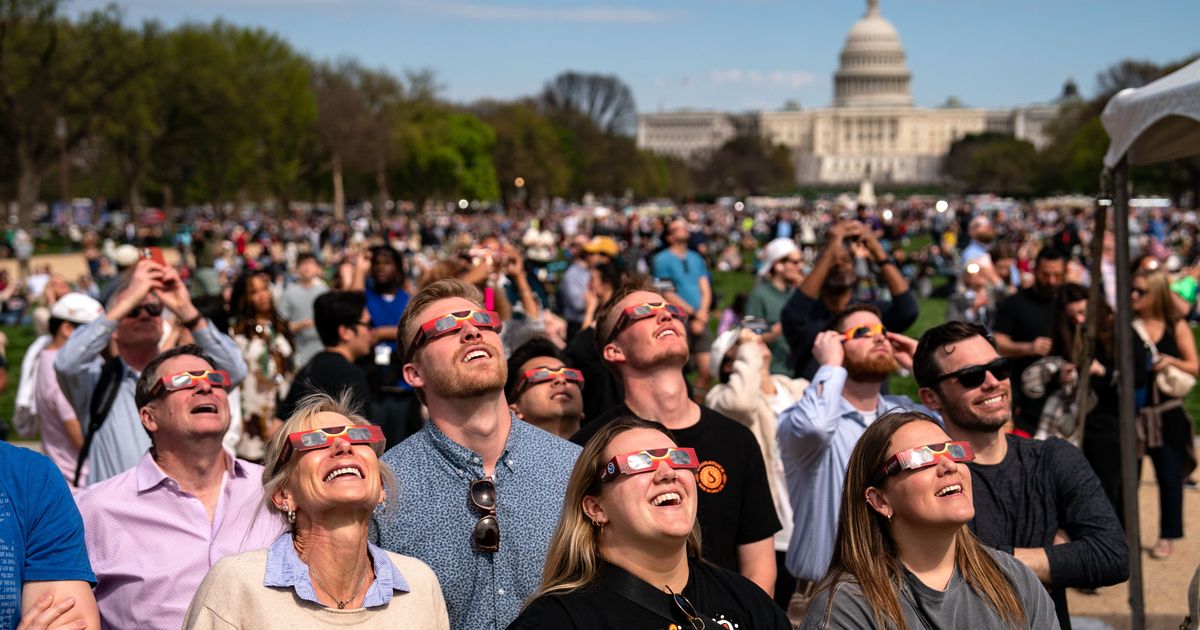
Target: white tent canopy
{"points": [[1157, 122]]}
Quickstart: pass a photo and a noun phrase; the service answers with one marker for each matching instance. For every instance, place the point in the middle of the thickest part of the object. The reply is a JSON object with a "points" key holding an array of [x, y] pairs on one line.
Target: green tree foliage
{"points": [[445, 154], [747, 165], [992, 162], [527, 147]]}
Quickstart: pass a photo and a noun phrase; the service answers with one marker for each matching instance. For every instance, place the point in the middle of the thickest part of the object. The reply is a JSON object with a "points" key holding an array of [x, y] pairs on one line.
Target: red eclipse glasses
{"points": [[862, 332], [189, 379], [642, 311], [315, 439], [923, 457], [645, 461], [451, 322], [541, 375]]}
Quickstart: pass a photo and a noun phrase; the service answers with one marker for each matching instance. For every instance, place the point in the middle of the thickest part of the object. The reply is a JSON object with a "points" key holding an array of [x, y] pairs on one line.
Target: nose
{"points": [[663, 316], [946, 466], [341, 445], [664, 472], [470, 332]]}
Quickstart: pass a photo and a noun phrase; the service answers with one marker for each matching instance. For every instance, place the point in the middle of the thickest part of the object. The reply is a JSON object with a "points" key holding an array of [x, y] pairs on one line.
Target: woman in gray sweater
{"points": [[904, 557]]}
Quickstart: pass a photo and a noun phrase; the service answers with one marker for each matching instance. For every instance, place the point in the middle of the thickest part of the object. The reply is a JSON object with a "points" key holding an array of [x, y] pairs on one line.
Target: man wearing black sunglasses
{"points": [[1038, 500], [134, 321]]}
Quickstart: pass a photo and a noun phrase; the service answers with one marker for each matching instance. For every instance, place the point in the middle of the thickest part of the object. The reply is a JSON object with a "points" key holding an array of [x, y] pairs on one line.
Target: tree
{"points": [[527, 147], [444, 153], [747, 165], [602, 99], [56, 79]]}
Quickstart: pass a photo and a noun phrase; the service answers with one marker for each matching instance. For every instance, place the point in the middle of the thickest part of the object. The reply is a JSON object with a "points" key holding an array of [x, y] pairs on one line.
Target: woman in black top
{"points": [[1169, 436], [626, 551]]}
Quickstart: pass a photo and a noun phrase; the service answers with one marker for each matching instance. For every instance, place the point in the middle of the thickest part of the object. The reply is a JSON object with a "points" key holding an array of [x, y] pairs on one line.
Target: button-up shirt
{"points": [[121, 440], [151, 543], [433, 518], [286, 569], [816, 436]]}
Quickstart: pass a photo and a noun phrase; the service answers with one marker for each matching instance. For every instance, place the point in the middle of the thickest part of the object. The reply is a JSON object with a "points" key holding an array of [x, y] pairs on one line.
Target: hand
{"points": [[843, 230], [904, 348], [697, 323], [1162, 363], [1097, 368], [174, 295], [1061, 537], [46, 611], [591, 301], [514, 264], [147, 277], [362, 261], [1066, 375], [747, 336], [1041, 346], [827, 348]]}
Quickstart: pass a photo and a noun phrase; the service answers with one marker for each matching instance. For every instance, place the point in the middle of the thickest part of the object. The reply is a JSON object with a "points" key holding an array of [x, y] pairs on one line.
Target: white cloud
{"points": [[519, 13], [731, 77]]}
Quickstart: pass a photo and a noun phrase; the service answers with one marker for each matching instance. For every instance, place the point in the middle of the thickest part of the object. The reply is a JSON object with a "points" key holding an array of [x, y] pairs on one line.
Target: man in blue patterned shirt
{"points": [[480, 491]]}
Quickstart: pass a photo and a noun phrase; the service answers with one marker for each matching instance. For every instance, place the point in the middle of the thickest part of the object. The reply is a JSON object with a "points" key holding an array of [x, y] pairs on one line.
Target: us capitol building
{"points": [[872, 131]]}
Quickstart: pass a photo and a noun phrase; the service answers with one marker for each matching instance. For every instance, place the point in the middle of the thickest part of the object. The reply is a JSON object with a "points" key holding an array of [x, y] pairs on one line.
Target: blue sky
{"points": [[717, 54]]}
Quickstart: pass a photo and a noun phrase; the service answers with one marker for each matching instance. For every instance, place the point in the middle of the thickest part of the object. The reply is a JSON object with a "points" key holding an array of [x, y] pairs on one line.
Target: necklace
{"points": [[340, 603]]}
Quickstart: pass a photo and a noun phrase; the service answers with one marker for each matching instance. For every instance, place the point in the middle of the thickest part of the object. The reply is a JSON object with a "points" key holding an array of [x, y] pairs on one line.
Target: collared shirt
{"points": [[151, 543], [286, 569], [816, 436], [121, 440], [433, 518]]}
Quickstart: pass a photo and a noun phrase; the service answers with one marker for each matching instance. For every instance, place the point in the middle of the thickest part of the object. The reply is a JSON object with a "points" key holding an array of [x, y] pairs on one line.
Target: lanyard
{"points": [[639, 592]]}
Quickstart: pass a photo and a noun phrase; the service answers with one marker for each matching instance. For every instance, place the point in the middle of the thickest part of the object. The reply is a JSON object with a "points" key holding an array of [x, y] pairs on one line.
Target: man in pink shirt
{"points": [[153, 532]]}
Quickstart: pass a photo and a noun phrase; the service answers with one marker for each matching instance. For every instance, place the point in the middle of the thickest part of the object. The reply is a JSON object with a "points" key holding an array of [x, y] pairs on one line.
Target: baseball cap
{"points": [[126, 256], [720, 347], [77, 308], [605, 245], [775, 251]]}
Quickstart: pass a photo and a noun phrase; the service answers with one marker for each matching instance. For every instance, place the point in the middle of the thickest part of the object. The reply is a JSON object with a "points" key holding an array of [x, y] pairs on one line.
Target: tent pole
{"points": [[1129, 441]]}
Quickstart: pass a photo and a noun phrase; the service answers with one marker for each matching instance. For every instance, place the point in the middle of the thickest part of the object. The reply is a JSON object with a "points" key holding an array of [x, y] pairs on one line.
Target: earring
{"points": [[889, 517], [291, 516], [598, 525], [383, 504]]}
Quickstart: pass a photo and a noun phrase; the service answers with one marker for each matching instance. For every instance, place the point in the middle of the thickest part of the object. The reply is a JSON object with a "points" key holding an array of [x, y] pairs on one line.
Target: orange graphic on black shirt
{"points": [[711, 477]]}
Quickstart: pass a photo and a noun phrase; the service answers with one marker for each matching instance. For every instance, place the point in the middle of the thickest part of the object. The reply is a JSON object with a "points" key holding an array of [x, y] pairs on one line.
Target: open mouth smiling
{"points": [[343, 471], [666, 499]]}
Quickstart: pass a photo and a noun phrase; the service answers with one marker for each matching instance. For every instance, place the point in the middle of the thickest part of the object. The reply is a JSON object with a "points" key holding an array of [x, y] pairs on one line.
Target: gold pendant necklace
{"points": [[340, 604]]}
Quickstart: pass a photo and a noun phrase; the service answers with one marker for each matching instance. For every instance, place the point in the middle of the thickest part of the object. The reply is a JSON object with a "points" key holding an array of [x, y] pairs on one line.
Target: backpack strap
{"points": [[100, 404]]}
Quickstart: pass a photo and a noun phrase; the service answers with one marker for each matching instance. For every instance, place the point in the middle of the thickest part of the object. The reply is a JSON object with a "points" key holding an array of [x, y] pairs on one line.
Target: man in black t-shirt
{"points": [[1022, 329], [1037, 500], [643, 340], [342, 321]]}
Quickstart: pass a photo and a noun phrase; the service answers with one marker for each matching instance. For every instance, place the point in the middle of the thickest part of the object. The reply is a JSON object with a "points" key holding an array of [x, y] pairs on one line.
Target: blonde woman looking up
{"points": [[324, 478]]}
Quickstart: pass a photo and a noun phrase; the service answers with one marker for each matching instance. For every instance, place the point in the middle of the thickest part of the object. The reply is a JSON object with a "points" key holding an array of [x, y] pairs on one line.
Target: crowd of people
{"points": [[534, 419]]}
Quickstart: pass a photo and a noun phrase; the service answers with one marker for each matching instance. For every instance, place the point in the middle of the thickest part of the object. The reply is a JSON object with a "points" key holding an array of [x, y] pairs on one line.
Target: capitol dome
{"points": [[872, 72]]}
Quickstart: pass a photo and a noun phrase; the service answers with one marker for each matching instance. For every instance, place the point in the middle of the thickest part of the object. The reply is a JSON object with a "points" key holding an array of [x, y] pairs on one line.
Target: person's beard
{"points": [[840, 279], [673, 354], [873, 369], [958, 411], [450, 382]]}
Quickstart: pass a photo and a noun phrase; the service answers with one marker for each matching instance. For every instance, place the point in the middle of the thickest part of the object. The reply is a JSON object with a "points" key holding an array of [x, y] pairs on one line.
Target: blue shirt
{"points": [[41, 532], [685, 273], [386, 311], [816, 436], [433, 518], [286, 569]]}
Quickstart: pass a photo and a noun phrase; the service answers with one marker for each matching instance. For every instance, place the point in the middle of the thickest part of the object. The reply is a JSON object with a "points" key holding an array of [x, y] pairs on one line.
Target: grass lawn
{"points": [[933, 312]]}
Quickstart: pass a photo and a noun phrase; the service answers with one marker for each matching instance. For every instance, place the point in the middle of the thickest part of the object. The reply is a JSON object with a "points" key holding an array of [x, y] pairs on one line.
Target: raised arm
{"points": [[816, 415]]}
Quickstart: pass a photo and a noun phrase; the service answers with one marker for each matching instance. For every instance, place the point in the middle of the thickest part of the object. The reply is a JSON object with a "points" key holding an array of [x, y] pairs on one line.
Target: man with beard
{"points": [[478, 485], [542, 390], [642, 338], [830, 287], [1038, 500], [817, 434], [1023, 327]]}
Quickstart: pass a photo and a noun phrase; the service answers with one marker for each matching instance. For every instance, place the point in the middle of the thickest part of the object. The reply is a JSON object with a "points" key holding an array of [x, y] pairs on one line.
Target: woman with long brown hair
{"points": [[266, 343], [1166, 425], [626, 550], [904, 557]]}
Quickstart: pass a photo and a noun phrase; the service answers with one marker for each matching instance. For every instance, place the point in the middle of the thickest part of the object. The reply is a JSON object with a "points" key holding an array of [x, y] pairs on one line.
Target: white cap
{"points": [[126, 256], [720, 347], [77, 308], [774, 251]]}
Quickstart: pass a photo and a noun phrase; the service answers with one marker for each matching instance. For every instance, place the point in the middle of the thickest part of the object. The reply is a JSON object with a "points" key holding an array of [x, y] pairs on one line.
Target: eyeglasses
{"points": [[924, 457], [972, 377], [189, 379], [153, 309], [689, 611], [541, 375], [639, 462], [486, 533], [794, 261], [369, 323], [315, 439], [863, 332], [642, 311], [451, 322]]}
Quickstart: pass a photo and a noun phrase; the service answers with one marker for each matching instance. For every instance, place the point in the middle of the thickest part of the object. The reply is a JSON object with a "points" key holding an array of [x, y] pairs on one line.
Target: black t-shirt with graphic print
{"points": [[734, 506]]}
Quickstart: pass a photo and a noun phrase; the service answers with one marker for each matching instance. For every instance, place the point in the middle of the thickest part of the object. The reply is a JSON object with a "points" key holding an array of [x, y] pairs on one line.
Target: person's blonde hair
{"points": [[1158, 292], [573, 559], [304, 418], [865, 552]]}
